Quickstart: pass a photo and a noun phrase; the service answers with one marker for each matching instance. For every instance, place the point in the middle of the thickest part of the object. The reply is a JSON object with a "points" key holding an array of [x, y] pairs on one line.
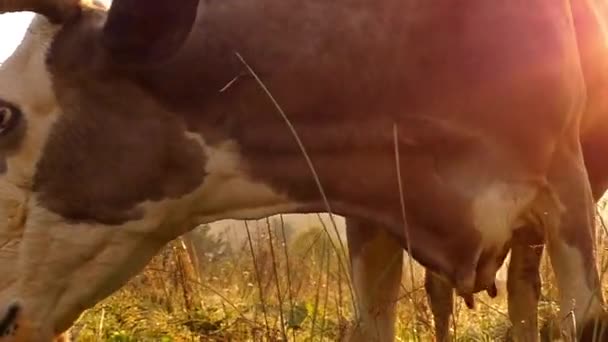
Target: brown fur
{"points": [[140, 149]]}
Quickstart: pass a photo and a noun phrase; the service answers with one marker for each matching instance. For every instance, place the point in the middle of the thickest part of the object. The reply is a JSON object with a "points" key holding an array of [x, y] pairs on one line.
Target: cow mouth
{"points": [[8, 324]]}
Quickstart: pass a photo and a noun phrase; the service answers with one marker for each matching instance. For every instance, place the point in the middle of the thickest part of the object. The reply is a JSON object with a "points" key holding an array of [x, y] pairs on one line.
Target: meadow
{"points": [[279, 283]]}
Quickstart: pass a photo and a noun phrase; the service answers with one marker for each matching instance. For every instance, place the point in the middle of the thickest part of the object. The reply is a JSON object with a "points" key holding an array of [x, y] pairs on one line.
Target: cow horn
{"points": [[56, 11], [141, 31]]}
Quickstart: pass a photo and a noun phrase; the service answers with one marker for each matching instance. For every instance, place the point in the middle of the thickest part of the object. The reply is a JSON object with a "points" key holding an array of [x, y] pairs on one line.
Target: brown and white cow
{"points": [[449, 125]]}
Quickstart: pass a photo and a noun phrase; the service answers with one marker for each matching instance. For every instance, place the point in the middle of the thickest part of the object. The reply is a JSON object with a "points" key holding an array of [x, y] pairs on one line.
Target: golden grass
{"points": [[275, 289]]}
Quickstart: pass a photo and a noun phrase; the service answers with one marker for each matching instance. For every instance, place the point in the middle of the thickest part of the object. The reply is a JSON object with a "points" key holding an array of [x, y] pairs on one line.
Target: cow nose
{"points": [[15, 326], [8, 324]]}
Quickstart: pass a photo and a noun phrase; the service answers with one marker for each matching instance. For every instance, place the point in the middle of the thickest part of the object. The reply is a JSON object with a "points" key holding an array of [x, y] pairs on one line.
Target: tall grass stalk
{"points": [[259, 281]]}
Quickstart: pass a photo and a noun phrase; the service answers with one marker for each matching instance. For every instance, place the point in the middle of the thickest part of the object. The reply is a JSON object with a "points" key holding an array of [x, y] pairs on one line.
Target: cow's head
{"points": [[99, 174]]}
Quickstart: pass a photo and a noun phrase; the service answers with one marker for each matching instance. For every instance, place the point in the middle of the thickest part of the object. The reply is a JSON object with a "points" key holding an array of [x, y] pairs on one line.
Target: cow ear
{"points": [[147, 31]]}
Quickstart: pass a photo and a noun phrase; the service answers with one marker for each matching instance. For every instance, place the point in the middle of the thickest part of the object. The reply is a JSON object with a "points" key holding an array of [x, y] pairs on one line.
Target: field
{"points": [[277, 283]]}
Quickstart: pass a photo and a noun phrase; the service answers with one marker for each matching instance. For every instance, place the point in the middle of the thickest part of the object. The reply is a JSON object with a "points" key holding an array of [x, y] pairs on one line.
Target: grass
{"points": [[278, 285]]}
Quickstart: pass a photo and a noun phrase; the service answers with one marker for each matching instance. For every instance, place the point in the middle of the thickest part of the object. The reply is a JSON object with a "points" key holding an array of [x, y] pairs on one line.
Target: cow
{"points": [[377, 307], [119, 126]]}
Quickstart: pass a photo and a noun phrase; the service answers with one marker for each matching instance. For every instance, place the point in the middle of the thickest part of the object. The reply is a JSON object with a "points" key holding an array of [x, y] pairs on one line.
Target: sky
{"points": [[12, 29]]}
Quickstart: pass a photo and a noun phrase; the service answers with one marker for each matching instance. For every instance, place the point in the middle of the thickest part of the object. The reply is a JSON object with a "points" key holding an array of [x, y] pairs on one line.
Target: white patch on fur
{"points": [[229, 193], [26, 83], [496, 212], [497, 209], [12, 216]]}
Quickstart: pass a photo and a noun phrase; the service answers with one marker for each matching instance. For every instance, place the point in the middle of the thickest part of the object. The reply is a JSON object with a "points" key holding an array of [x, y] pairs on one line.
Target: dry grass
{"points": [[276, 286]]}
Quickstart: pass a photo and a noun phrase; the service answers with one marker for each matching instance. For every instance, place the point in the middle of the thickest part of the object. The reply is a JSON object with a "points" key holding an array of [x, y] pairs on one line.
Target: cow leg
{"points": [[570, 242], [441, 298], [63, 337], [376, 261], [523, 284]]}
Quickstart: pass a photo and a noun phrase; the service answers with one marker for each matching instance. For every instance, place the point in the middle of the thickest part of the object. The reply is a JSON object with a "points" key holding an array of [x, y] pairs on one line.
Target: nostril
{"points": [[8, 323]]}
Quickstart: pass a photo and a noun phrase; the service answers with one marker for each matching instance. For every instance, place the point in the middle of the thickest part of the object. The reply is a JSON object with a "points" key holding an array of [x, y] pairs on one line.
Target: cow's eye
{"points": [[9, 117]]}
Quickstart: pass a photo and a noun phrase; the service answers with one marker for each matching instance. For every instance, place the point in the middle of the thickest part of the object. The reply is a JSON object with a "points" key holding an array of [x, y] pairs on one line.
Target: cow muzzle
{"points": [[15, 327], [9, 325]]}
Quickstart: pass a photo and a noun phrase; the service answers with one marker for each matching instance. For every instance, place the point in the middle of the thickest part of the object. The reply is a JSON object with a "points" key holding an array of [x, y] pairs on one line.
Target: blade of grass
{"points": [[304, 153], [318, 291], [288, 271], [259, 281], [276, 277], [408, 237]]}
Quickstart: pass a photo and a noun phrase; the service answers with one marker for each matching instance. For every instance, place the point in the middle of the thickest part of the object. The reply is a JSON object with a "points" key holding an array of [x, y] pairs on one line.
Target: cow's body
{"points": [[523, 282], [448, 125]]}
